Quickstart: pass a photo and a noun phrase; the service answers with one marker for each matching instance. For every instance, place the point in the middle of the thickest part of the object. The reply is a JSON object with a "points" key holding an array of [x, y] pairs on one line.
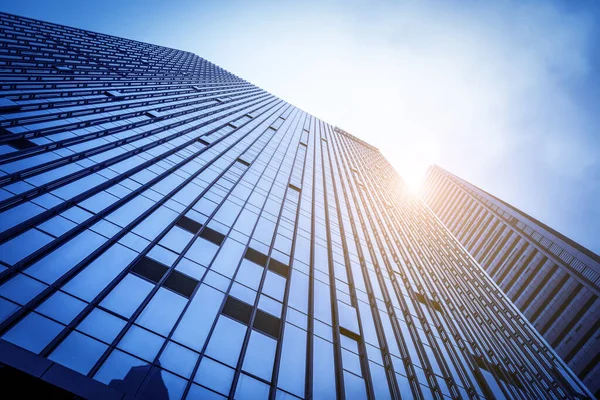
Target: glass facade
{"points": [[554, 281], [170, 231]]}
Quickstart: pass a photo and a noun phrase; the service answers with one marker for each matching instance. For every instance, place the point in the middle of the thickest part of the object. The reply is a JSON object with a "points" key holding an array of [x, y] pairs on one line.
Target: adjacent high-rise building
{"points": [[554, 281], [171, 231]]}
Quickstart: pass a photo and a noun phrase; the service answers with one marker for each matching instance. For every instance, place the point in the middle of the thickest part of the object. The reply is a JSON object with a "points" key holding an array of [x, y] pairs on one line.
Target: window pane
{"points": [[102, 325], [21, 289], [249, 274], [162, 311], [251, 389], [274, 285], [226, 341], [198, 318], [323, 370], [354, 387], [214, 375], [122, 371], [178, 359], [78, 352], [293, 359], [33, 333], [141, 343], [260, 355], [7, 308], [61, 307], [89, 282], [199, 393], [126, 297]]}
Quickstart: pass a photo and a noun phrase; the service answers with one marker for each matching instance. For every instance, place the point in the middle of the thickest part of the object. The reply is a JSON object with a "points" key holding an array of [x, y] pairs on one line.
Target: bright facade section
{"points": [[554, 281], [170, 231]]}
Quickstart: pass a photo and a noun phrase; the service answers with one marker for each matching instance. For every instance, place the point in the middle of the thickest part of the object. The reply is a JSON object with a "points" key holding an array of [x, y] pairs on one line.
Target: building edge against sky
{"points": [[554, 281], [168, 228]]}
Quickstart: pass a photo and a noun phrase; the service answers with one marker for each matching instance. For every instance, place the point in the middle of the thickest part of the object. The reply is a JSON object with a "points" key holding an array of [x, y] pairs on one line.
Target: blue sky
{"points": [[503, 94]]}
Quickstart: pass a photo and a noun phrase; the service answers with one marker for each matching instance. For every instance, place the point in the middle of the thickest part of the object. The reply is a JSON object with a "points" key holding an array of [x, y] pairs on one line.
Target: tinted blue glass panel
{"points": [[61, 307], [293, 359], [354, 387], [102, 325], [21, 289], [351, 362], [347, 317], [323, 370], [226, 341], [249, 274], [260, 355], [274, 285], [380, 385], [404, 386], [54, 265], [243, 293], [202, 251], [198, 318], [249, 388], [93, 278], [214, 375], [7, 308], [493, 384], [175, 385], [199, 393], [190, 268], [23, 245], [57, 226], [128, 295], [122, 371], [176, 239], [178, 359], [33, 332], [78, 352], [162, 311], [141, 343], [229, 257]]}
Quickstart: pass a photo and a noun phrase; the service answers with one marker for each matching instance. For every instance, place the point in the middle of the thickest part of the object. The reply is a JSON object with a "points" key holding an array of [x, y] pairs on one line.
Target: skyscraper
{"points": [[169, 230], [554, 281]]}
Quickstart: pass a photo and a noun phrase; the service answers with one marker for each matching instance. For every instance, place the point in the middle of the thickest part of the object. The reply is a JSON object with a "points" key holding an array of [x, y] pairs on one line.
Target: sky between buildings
{"points": [[504, 94]]}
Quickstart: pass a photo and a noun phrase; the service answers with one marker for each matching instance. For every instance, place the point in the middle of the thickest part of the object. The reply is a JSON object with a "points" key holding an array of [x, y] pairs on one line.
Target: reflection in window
{"points": [[354, 387], [141, 343], [260, 355], [122, 371], [21, 289], [61, 307], [251, 389], [178, 359], [94, 278], [226, 341], [33, 332], [198, 318], [162, 311], [127, 295], [102, 325], [214, 375], [323, 370], [78, 352]]}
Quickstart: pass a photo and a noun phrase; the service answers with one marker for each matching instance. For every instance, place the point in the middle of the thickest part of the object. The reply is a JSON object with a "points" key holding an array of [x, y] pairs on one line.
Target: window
{"points": [[256, 256], [149, 269], [237, 310], [180, 283], [212, 236], [189, 224], [21, 144], [279, 267], [267, 323]]}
